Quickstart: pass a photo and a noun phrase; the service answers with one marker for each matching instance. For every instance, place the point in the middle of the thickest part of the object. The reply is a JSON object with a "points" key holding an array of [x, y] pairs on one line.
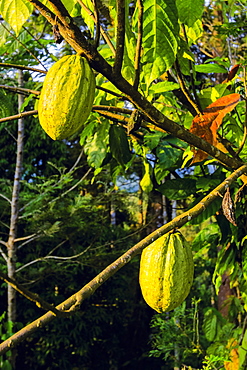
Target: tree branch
{"points": [[75, 38], [185, 90], [20, 90], [19, 116], [22, 68], [73, 303], [31, 296], [120, 27], [102, 31], [97, 24]]}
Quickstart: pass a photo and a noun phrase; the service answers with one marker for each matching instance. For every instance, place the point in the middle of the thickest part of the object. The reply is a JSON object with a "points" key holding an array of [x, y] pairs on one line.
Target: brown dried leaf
{"points": [[228, 207], [232, 73]]}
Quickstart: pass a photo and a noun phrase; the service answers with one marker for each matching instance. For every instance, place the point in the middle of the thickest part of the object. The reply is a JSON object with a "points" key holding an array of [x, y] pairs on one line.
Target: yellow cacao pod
{"points": [[166, 272], [66, 97]]}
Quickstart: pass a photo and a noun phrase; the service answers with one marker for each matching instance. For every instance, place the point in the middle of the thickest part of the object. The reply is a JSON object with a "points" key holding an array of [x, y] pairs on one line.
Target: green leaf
{"points": [[4, 33], [243, 350], [194, 32], [87, 131], [119, 145], [163, 86], [189, 11], [178, 188], [160, 35], [152, 139], [87, 17], [167, 155], [96, 147], [211, 94], [69, 4], [207, 183], [15, 12], [210, 68], [160, 173], [211, 210], [207, 236], [128, 70], [212, 323]]}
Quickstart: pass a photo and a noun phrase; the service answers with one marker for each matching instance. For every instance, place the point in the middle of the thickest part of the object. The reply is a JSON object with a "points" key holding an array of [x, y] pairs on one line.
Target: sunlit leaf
{"points": [[15, 12], [160, 35], [206, 125], [185, 13]]}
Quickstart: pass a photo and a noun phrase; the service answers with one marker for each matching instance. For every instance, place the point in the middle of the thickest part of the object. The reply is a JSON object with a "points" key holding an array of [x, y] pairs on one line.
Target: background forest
{"points": [[164, 147]]}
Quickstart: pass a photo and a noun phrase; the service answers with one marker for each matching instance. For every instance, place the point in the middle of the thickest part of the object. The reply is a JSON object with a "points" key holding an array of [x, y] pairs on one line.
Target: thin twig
{"points": [[4, 197], [102, 31], [43, 46], [191, 73], [24, 238], [54, 185], [3, 255], [19, 116], [185, 90], [72, 187], [42, 259], [111, 108], [20, 90], [97, 23], [24, 46], [137, 65], [22, 68], [120, 29], [112, 93], [29, 241], [31, 296]]}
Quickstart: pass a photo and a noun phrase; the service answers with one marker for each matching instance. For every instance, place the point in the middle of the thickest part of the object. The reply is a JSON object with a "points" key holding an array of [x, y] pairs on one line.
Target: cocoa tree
{"points": [[151, 105]]}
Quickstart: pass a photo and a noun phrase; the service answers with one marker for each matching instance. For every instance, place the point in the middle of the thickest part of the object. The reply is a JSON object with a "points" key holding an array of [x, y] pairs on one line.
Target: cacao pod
{"points": [[66, 97], [166, 272]]}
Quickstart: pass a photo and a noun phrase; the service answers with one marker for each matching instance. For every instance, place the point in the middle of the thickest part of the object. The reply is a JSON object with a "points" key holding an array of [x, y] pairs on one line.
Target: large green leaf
{"points": [[167, 155], [189, 11], [96, 147], [119, 145], [212, 323], [210, 68], [211, 210], [87, 17], [178, 188], [15, 12], [207, 236], [160, 37]]}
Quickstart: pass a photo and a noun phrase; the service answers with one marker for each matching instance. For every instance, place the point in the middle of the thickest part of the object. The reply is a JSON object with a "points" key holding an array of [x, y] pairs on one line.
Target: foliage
{"points": [[168, 125]]}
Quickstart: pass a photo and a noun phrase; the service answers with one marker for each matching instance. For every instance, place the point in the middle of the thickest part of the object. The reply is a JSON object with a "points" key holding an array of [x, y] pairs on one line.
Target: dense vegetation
{"points": [[164, 147]]}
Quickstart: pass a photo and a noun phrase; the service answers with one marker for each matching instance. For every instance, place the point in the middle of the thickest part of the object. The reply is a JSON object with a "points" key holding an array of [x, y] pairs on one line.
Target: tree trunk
{"points": [[11, 264]]}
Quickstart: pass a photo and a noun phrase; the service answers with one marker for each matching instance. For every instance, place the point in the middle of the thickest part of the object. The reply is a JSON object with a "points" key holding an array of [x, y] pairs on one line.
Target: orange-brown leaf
{"points": [[232, 73], [206, 124]]}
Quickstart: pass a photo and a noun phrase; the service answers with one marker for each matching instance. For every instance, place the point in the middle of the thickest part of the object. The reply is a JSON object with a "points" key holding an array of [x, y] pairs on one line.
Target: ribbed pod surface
{"points": [[166, 272], [66, 97]]}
